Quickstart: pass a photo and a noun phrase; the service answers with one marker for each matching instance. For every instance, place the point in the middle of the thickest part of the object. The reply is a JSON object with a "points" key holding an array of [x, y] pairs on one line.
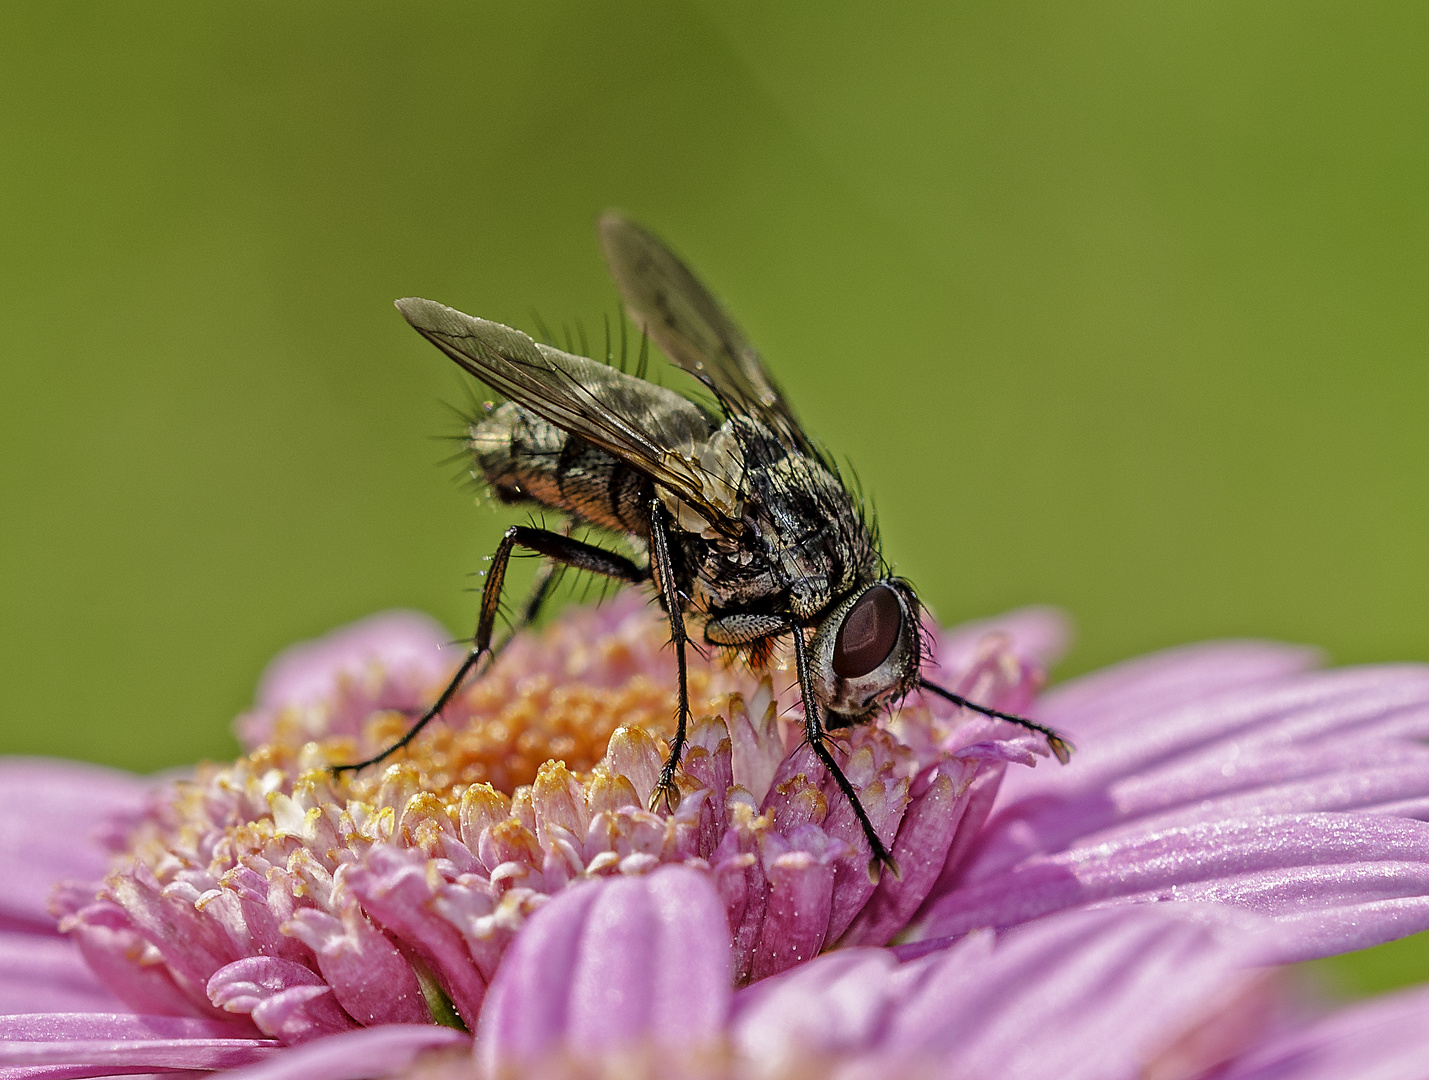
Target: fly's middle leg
{"points": [[661, 563], [556, 547]]}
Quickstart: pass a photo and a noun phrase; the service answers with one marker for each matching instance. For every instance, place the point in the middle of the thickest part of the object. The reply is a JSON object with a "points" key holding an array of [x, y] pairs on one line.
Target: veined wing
{"points": [[647, 426], [668, 302]]}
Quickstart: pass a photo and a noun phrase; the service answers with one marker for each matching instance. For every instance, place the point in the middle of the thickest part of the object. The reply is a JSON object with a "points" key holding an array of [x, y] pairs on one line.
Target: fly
{"points": [[741, 521]]}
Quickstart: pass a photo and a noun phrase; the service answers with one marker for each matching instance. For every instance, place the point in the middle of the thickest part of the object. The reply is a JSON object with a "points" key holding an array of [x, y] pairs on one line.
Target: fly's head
{"points": [[866, 652]]}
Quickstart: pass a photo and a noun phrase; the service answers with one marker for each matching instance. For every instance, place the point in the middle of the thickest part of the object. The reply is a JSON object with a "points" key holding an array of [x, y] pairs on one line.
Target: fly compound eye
{"points": [[868, 633]]}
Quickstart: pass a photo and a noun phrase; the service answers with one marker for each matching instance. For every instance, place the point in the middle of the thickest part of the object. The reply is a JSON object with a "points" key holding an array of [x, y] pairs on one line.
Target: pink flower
{"points": [[264, 904]]}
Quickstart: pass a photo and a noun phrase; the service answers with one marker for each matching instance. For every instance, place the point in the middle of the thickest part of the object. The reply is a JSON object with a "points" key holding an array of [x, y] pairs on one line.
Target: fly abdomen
{"points": [[523, 457]]}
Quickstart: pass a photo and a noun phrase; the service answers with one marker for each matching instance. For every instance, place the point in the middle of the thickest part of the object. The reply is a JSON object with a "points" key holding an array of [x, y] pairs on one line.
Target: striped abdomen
{"points": [[523, 457]]}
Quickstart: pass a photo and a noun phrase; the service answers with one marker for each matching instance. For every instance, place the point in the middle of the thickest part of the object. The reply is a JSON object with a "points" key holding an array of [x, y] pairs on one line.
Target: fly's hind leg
{"points": [[661, 564], [541, 588], [556, 547]]}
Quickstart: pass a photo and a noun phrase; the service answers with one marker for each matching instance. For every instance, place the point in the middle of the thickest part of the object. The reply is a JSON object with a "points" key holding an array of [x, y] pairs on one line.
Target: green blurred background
{"points": [[1117, 306]]}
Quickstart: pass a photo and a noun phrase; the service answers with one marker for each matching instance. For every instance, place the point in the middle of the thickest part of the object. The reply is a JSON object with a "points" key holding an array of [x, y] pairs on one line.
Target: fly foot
{"points": [[666, 792]]}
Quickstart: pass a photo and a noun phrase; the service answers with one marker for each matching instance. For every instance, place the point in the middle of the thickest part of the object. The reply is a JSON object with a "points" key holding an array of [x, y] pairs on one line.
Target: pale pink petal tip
{"points": [[620, 962], [405, 648]]}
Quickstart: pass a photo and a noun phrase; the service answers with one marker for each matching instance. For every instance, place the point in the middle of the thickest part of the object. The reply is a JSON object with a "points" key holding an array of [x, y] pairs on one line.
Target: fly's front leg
{"points": [[554, 546], [1059, 746], [663, 567], [818, 740]]}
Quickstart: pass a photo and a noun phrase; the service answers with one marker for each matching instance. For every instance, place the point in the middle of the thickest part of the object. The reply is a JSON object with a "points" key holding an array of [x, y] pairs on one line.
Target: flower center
{"points": [[510, 720], [504, 741]]}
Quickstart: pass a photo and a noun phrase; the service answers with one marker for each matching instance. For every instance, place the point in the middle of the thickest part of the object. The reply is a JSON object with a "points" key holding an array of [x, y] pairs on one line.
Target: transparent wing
{"points": [[647, 426], [668, 302]]}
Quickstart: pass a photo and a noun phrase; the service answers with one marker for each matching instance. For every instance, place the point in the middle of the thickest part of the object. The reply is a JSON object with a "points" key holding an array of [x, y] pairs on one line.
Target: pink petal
{"points": [[120, 1042], [924, 838], [610, 963], [1341, 881], [300, 1014], [108, 942], [194, 947], [308, 672], [1343, 739], [56, 823], [800, 871], [1039, 635], [356, 1055], [394, 889], [369, 977], [1098, 995], [285, 999], [1383, 1039], [1371, 777], [387, 661], [1092, 995], [836, 1004], [40, 973], [1170, 678]]}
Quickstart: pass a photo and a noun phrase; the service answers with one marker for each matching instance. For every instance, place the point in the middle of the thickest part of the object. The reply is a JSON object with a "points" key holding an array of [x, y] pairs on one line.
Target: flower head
{"points": [[269, 888]]}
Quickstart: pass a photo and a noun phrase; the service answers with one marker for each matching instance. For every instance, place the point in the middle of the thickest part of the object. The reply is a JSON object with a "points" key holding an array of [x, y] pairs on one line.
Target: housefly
{"points": [[739, 520]]}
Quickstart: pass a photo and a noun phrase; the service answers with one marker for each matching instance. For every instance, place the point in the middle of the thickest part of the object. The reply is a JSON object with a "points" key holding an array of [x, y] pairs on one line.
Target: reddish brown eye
{"points": [[868, 634]]}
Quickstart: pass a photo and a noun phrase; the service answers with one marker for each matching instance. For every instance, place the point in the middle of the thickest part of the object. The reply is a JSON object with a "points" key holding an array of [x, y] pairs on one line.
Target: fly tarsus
{"points": [[666, 791], [426, 718], [1060, 747], [882, 859]]}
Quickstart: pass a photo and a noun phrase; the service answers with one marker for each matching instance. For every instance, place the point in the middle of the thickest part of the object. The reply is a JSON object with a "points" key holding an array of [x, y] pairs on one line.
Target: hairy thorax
{"points": [[792, 539]]}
